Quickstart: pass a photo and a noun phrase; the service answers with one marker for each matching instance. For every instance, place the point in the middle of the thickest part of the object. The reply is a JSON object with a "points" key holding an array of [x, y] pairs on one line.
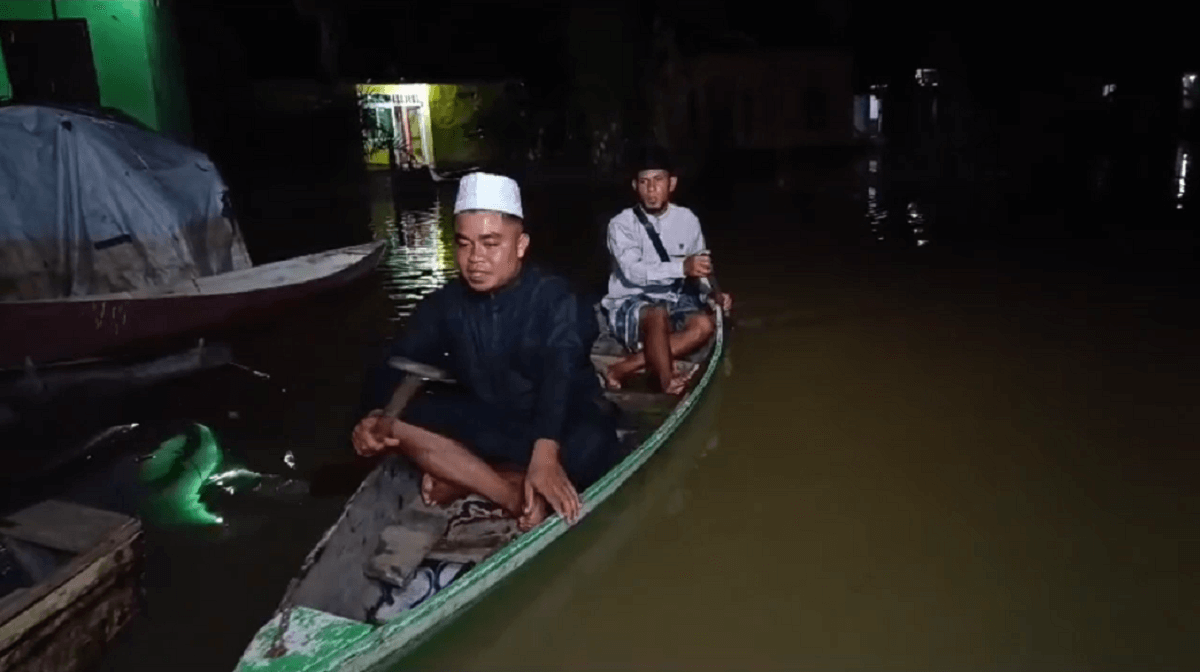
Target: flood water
{"points": [[915, 458]]}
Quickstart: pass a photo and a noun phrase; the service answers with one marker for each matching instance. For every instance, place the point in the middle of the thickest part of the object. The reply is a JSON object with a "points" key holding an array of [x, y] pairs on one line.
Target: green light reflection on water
{"points": [[179, 472]]}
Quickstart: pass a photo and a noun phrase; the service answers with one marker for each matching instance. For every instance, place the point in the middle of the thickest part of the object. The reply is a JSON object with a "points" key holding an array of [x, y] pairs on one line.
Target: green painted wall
{"points": [[166, 70], [136, 55]]}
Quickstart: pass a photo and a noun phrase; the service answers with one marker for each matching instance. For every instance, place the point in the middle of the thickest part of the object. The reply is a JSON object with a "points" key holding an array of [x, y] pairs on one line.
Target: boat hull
{"points": [[49, 331], [299, 638], [64, 621]]}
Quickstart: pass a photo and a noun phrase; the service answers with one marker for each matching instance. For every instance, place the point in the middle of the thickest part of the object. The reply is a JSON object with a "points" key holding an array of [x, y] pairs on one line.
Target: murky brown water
{"points": [[913, 462]]}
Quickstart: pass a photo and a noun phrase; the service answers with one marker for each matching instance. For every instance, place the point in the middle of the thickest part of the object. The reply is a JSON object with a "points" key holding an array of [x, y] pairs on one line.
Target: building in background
{"points": [[397, 117], [436, 125], [118, 54], [712, 106]]}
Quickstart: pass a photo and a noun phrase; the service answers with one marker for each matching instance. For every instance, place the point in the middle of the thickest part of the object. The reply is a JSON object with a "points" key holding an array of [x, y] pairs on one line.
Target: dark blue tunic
{"points": [[521, 355]]}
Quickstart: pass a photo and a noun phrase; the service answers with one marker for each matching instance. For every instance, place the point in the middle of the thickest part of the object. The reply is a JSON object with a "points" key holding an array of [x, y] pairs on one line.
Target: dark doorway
{"points": [[50, 61]]}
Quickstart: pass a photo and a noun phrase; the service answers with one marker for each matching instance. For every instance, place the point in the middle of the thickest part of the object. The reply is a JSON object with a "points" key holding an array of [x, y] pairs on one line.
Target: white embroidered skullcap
{"points": [[484, 191]]}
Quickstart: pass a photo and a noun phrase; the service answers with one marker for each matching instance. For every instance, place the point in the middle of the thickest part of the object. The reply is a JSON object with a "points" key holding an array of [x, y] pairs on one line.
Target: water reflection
{"points": [[917, 224], [876, 215], [910, 228], [1183, 161], [421, 257]]}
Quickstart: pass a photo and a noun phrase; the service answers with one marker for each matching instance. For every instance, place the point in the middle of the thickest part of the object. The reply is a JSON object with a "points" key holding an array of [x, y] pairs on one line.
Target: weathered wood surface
{"points": [[11, 600], [63, 623], [403, 546], [642, 402], [332, 578], [43, 380], [297, 270], [86, 326], [62, 526]]}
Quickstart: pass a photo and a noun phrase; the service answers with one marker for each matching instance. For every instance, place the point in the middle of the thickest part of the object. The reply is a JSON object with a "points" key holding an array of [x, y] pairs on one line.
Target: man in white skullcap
{"points": [[528, 427]]}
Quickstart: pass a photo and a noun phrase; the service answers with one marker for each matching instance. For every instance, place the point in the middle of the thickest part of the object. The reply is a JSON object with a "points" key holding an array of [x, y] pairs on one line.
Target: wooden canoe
{"points": [[81, 574], [336, 616], [51, 330]]}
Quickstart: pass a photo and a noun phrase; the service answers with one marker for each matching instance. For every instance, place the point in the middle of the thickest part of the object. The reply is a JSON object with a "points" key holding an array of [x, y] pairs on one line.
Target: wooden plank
{"points": [[636, 402], [14, 598], [403, 546], [332, 578], [296, 270], [121, 537], [67, 629], [152, 371], [89, 599], [62, 526]]}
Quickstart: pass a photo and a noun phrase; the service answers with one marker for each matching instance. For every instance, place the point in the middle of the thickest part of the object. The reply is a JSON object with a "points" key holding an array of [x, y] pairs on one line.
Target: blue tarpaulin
{"points": [[93, 205]]}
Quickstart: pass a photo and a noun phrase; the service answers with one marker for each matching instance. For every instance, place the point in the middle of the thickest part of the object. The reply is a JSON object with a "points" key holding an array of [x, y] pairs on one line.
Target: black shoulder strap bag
{"points": [[658, 244], [656, 240]]}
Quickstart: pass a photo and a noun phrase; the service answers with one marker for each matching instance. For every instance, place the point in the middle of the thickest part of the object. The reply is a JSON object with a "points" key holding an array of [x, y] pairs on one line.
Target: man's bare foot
{"points": [[538, 512], [436, 492], [618, 371], [680, 380], [611, 382]]}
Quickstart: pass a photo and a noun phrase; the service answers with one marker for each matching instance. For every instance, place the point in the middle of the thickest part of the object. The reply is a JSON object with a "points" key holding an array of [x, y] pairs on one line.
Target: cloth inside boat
{"points": [[475, 529], [93, 204], [431, 576]]}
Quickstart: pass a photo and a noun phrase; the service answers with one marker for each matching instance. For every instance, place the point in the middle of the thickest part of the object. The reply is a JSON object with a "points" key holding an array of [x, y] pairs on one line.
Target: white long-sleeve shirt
{"points": [[637, 268]]}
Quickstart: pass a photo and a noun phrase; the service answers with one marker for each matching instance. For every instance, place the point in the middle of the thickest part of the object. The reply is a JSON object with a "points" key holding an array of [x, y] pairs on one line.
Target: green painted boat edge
{"points": [[390, 642], [317, 640]]}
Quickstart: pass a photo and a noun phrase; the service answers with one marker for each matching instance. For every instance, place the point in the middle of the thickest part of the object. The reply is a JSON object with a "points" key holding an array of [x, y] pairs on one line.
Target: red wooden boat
{"points": [[51, 330]]}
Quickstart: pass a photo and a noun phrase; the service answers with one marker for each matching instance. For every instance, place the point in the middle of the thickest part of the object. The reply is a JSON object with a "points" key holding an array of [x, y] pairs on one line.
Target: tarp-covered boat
{"points": [[94, 205], [111, 233]]}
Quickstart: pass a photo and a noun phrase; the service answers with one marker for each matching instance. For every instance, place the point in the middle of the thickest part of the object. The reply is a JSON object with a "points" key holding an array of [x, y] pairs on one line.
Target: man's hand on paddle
{"points": [[723, 300], [697, 266], [373, 434], [547, 478]]}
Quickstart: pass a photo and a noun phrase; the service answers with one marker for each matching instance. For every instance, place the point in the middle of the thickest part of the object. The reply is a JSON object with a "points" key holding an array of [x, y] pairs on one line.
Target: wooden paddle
{"points": [[418, 375], [343, 478], [710, 284]]}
